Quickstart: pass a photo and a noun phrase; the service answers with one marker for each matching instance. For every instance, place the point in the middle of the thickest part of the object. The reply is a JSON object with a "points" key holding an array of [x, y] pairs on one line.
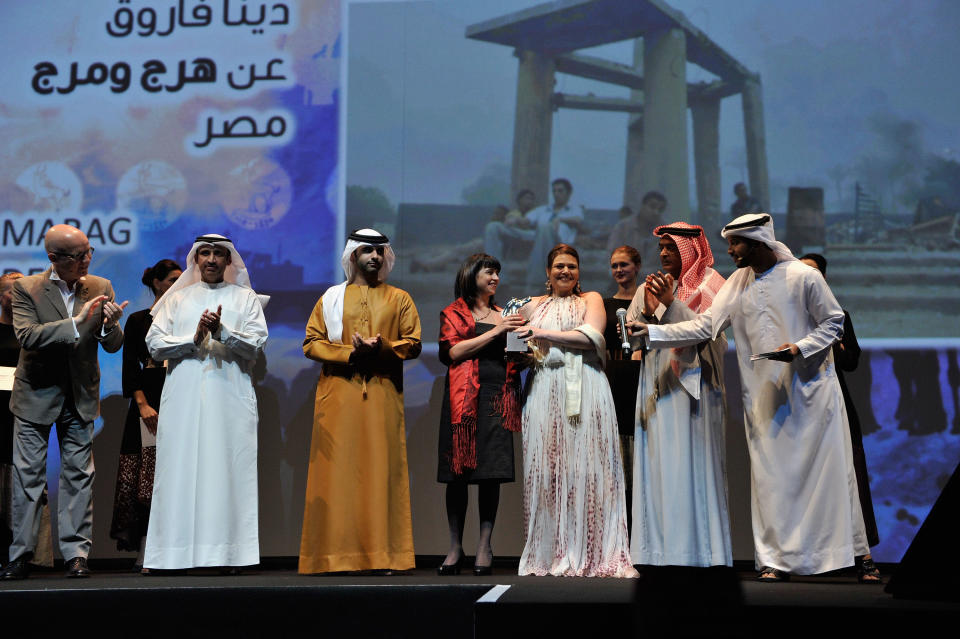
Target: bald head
{"points": [[68, 249], [63, 238]]}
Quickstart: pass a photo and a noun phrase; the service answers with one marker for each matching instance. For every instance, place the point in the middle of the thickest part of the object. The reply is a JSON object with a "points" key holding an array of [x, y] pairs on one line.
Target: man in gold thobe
{"points": [[357, 511]]}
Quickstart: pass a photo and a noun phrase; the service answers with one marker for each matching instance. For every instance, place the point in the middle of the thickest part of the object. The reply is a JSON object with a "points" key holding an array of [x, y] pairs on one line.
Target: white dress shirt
{"points": [[566, 233], [69, 297]]}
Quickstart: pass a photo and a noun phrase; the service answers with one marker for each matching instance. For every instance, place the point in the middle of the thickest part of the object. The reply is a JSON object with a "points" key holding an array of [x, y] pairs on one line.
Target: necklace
{"points": [[480, 319]]}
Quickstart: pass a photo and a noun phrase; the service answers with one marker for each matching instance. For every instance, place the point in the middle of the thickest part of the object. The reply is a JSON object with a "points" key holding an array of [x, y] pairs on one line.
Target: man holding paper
{"points": [[806, 515]]}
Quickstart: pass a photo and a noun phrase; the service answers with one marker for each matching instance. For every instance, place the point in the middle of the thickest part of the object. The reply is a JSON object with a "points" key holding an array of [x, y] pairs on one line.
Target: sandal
{"points": [[772, 575], [867, 571]]}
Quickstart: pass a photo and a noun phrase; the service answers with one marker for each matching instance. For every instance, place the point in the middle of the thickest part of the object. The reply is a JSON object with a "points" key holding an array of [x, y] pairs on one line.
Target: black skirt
{"points": [[494, 442], [623, 374]]}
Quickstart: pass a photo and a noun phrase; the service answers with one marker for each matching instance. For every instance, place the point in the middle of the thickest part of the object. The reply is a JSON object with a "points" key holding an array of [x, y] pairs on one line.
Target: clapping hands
{"points": [[365, 346], [660, 286], [209, 324]]}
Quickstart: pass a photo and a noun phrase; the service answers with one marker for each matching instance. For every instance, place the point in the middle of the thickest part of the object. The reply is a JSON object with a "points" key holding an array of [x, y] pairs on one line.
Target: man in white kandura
{"points": [[806, 514], [680, 515], [210, 328]]}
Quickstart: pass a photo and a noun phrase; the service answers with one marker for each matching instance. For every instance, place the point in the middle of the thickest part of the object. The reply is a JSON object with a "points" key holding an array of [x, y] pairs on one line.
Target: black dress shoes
{"points": [[19, 568], [77, 567], [483, 571], [447, 570]]}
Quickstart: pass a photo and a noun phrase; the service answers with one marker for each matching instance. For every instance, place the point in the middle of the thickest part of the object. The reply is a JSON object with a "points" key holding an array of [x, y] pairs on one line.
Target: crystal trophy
{"points": [[514, 343]]}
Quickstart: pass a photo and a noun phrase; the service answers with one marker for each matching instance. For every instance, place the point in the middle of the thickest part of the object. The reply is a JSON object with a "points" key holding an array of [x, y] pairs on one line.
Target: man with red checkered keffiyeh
{"points": [[679, 489], [785, 320]]}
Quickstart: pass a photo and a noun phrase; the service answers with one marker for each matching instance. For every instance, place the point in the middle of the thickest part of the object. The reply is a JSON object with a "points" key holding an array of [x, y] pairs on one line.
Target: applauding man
{"points": [[209, 325], [679, 483], [357, 511], [59, 317]]}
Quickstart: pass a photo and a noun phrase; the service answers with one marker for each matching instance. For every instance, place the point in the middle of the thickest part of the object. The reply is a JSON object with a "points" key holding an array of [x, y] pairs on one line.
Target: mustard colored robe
{"points": [[357, 511]]}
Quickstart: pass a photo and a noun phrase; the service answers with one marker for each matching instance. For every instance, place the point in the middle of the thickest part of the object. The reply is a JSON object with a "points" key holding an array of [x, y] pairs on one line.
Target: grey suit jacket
{"points": [[54, 365]]}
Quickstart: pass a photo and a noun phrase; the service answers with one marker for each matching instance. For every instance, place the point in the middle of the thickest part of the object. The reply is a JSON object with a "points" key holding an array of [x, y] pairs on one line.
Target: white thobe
{"points": [[805, 511], [204, 509], [680, 515]]}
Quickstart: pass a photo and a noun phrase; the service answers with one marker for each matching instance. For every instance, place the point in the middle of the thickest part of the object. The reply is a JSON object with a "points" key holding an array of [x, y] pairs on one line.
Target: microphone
{"points": [[622, 322]]}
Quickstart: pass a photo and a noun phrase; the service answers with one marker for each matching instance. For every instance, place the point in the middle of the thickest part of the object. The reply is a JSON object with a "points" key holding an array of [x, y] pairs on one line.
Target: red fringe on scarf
{"points": [[457, 324], [508, 406], [464, 449]]}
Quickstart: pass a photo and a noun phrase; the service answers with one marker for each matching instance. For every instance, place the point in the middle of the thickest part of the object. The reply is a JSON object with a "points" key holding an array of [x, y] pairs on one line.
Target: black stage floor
{"points": [[280, 603]]}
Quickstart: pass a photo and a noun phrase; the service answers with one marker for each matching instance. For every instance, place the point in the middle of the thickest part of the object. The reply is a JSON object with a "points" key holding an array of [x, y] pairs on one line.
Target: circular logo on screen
{"points": [[155, 192], [257, 194], [52, 187]]}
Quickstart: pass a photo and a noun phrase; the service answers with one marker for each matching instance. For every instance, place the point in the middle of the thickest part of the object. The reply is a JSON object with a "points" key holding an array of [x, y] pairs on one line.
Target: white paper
{"points": [[146, 437], [6, 377]]}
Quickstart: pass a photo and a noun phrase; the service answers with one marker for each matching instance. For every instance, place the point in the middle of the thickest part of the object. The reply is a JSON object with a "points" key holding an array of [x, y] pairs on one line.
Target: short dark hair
{"points": [[738, 185], [158, 271], [465, 286], [817, 259], [565, 182], [631, 252], [653, 195], [523, 192]]}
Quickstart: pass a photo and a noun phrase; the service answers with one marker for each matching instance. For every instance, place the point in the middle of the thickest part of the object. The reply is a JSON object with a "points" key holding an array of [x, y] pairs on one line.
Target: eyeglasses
{"points": [[76, 257]]}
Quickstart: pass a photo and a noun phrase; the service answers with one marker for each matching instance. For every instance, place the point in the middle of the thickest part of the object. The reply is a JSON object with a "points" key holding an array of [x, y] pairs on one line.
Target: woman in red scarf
{"points": [[480, 406]]}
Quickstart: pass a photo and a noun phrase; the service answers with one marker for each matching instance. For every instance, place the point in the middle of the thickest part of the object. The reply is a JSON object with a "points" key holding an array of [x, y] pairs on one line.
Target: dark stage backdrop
{"points": [[112, 118]]}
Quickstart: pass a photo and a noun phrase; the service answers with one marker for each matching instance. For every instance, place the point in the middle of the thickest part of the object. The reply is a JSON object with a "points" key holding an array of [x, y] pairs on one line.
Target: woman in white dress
{"points": [[575, 511]]}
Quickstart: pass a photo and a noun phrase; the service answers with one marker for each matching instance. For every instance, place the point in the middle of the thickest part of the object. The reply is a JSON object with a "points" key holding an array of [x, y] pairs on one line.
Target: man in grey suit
{"points": [[59, 317]]}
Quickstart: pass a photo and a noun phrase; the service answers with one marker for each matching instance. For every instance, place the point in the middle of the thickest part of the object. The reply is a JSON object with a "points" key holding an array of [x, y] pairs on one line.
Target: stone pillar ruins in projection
{"points": [[533, 125], [756, 140], [633, 175], [706, 159], [665, 119]]}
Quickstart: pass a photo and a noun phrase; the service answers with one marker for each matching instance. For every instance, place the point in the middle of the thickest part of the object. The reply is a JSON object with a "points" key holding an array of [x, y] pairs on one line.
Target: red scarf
{"points": [[457, 324]]}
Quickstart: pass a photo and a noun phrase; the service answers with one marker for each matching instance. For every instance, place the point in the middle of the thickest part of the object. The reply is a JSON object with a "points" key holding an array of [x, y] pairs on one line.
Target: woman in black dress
{"points": [[623, 372], [142, 383], [480, 406]]}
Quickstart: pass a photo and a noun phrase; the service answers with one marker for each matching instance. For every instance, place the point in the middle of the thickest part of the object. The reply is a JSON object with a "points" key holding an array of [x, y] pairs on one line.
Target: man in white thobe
{"points": [[209, 327], [680, 515], [806, 515]]}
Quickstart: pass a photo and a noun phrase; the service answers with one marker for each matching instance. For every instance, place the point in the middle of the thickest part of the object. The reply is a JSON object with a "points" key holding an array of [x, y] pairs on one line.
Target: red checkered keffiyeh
{"points": [[698, 282]]}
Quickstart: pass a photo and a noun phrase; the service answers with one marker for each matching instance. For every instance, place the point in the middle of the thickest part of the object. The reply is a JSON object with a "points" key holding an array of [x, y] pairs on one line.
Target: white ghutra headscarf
{"points": [[753, 226], [759, 227], [333, 297], [235, 273]]}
